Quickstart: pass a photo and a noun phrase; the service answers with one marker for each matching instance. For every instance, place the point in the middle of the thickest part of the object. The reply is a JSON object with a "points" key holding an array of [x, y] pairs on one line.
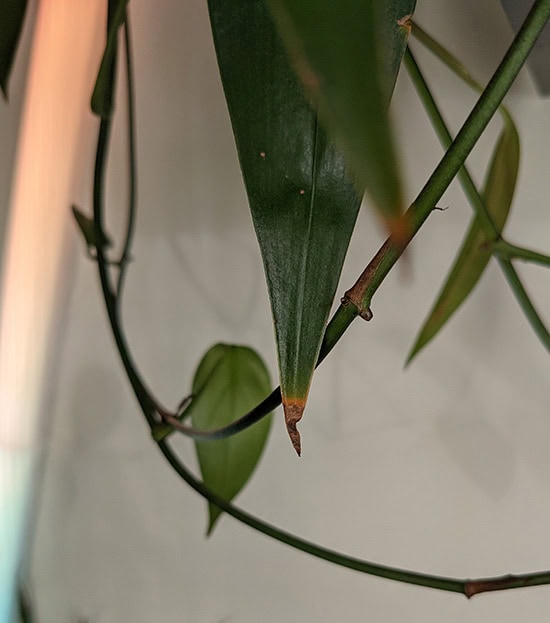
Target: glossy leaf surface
{"points": [[12, 15], [473, 256], [102, 96], [303, 203], [346, 54], [229, 381]]}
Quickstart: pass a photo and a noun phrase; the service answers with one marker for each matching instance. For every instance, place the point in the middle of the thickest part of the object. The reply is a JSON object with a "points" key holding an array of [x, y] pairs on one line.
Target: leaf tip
{"points": [[406, 23], [410, 357], [294, 409]]}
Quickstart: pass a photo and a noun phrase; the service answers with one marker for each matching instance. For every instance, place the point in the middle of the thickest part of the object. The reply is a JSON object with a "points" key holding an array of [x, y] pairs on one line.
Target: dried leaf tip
{"points": [[294, 410], [406, 23]]}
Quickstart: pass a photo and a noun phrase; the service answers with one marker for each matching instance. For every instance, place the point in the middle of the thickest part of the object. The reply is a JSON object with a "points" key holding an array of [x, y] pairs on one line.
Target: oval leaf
{"points": [[345, 54], [12, 15], [474, 255], [303, 203], [228, 382]]}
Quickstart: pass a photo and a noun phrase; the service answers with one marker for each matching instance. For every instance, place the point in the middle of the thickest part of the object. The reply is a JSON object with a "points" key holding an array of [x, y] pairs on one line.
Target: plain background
{"points": [[442, 467]]}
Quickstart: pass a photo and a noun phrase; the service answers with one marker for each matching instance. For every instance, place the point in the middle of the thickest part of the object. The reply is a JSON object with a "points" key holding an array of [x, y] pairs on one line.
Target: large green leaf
{"points": [[303, 203], [346, 54], [498, 192], [102, 96], [229, 381], [12, 14]]}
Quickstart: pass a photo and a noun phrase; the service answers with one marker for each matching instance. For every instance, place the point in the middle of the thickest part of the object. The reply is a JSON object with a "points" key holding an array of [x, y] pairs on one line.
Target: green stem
{"points": [[445, 138], [132, 176], [525, 303], [341, 320], [410, 577], [508, 251], [477, 202], [336, 328], [464, 586], [148, 404], [460, 148]]}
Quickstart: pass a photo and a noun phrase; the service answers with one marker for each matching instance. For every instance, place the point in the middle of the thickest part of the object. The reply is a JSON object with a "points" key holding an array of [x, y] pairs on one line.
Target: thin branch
{"points": [[132, 176], [476, 200], [460, 148], [148, 404], [508, 251], [525, 303], [466, 587], [338, 325], [340, 321]]}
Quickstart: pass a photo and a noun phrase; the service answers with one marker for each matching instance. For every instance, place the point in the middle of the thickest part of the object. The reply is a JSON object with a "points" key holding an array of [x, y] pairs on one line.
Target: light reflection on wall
{"points": [[54, 146]]}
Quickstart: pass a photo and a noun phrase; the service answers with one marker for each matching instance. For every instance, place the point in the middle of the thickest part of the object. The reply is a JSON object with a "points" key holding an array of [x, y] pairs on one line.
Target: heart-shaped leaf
{"points": [[12, 15], [346, 54], [228, 382], [303, 203]]}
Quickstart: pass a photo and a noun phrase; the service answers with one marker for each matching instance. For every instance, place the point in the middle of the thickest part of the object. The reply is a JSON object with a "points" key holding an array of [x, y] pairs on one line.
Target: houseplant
{"points": [[393, 251]]}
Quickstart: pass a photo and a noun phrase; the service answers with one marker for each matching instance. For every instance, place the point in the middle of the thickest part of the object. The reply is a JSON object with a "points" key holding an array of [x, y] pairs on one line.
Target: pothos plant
{"points": [[307, 85]]}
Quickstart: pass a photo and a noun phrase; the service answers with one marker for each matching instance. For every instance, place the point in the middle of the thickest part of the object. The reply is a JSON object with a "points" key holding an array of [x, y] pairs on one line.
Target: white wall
{"points": [[444, 468]]}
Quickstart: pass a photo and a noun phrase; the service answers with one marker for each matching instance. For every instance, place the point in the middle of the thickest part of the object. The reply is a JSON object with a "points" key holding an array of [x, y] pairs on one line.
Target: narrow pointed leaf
{"points": [[498, 193], [228, 382], [102, 96], [474, 256], [346, 54], [12, 15], [303, 203], [87, 228]]}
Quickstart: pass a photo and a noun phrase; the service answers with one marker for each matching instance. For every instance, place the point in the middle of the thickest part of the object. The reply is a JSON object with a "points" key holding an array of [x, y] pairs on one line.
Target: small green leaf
{"points": [[88, 231], [228, 382], [102, 97], [303, 202], [12, 15], [346, 55], [474, 256]]}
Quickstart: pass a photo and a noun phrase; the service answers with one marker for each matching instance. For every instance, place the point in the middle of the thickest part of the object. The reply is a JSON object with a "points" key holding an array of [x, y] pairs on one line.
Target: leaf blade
{"points": [[303, 202], [228, 382], [340, 52], [473, 257], [102, 96], [12, 17]]}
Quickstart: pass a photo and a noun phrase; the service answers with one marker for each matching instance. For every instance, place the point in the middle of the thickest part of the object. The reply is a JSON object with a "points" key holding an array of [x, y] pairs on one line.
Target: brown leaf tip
{"points": [[294, 410], [406, 23]]}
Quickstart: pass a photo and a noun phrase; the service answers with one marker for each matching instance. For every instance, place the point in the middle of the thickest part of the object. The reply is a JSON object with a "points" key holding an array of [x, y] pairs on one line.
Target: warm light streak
{"points": [[54, 145]]}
